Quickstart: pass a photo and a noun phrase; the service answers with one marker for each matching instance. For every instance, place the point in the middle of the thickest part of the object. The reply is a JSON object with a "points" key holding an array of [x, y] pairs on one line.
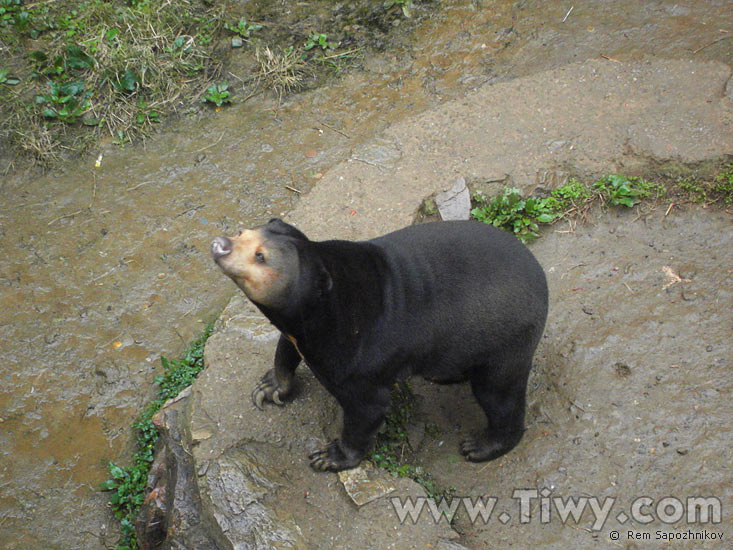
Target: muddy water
{"points": [[103, 269]]}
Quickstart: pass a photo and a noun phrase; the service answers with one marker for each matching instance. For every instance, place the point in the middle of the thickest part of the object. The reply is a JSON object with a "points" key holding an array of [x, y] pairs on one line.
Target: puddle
{"points": [[103, 269]]}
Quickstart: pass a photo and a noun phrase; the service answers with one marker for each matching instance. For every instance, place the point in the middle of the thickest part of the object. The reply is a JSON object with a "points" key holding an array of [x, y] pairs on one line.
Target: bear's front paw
{"points": [[271, 389], [332, 458]]}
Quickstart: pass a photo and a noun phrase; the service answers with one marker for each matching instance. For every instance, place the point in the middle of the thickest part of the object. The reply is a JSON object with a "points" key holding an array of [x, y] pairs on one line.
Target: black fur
{"points": [[448, 301]]}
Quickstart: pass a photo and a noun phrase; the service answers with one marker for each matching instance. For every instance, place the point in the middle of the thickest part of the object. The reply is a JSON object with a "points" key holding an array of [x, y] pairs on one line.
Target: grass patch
{"points": [[392, 449], [127, 484], [131, 63], [524, 215], [718, 189], [128, 63]]}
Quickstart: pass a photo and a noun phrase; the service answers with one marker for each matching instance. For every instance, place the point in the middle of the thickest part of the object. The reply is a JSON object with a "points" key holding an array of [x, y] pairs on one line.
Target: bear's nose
{"points": [[220, 247]]}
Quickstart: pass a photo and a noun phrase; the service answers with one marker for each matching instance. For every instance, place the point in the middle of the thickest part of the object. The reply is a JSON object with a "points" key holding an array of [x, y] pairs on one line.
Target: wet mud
{"points": [[105, 269]]}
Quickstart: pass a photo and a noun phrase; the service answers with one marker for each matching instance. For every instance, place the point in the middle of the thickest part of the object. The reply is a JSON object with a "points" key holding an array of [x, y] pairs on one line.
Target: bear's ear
{"points": [[325, 283], [278, 227]]}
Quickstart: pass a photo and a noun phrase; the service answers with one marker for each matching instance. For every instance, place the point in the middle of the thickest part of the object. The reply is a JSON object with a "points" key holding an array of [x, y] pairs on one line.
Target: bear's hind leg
{"points": [[504, 405]]}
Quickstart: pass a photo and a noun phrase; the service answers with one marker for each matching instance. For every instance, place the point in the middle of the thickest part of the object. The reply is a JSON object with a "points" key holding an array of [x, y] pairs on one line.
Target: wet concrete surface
{"points": [[103, 269], [627, 398]]}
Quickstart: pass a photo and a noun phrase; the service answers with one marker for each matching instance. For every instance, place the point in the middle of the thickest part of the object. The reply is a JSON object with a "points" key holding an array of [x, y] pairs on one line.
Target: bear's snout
{"points": [[220, 247]]}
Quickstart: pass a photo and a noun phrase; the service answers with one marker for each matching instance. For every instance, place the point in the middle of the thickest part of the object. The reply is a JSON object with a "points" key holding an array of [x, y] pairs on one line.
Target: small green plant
{"points": [[319, 40], [13, 14], [67, 101], [513, 212], [9, 80], [217, 94], [42, 67], [242, 28], [145, 115], [127, 484], [620, 190], [405, 5], [723, 184], [126, 81], [73, 58], [708, 191], [572, 194]]}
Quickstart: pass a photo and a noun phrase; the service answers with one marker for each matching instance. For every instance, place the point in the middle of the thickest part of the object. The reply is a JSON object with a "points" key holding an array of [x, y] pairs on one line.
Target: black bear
{"points": [[449, 301]]}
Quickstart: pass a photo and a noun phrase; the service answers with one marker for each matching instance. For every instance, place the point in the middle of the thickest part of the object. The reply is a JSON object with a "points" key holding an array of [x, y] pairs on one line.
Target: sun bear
{"points": [[449, 301]]}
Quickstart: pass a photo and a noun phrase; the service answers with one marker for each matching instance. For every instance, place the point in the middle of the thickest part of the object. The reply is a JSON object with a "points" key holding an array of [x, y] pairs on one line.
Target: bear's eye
{"points": [[239, 233], [259, 257]]}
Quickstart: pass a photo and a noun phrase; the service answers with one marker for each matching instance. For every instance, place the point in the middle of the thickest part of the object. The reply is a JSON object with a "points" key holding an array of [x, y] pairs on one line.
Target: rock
{"points": [[450, 545], [237, 485], [364, 484], [170, 512], [151, 525], [236, 42], [454, 204]]}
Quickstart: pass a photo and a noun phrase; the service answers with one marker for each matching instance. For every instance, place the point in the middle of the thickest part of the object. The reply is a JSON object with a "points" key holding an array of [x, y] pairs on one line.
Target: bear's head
{"points": [[270, 263]]}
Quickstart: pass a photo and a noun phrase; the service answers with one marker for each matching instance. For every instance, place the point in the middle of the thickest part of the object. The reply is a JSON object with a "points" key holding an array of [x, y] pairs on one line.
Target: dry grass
{"points": [[282, 71]]}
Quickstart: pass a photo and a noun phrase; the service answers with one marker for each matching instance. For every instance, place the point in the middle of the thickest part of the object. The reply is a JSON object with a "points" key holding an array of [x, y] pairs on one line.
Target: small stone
{"points": [[236, 42], [454, 204], [363, 483], [557, 145], [200, 435]]}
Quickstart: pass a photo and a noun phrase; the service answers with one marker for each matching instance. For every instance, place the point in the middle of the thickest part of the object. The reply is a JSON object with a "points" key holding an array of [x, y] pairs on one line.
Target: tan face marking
{"points": [[247, 265]]}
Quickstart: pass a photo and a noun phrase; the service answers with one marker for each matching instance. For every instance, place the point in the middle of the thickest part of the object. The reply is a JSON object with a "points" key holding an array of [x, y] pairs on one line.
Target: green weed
{"points": [[723, 184], [620, 190], [243, 28], [8, 80], [516, 213], [572, 194], [710, 190], [127, 484], [392, 444], [319, 40], [67, 102], [217, 94], [521, 215], [404, 5], [146, 114]]}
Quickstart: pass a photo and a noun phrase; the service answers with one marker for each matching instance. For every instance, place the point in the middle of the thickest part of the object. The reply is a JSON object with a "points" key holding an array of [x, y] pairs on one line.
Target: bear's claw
{"points": [[480, 449], [332, 459], [270, 389]]}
